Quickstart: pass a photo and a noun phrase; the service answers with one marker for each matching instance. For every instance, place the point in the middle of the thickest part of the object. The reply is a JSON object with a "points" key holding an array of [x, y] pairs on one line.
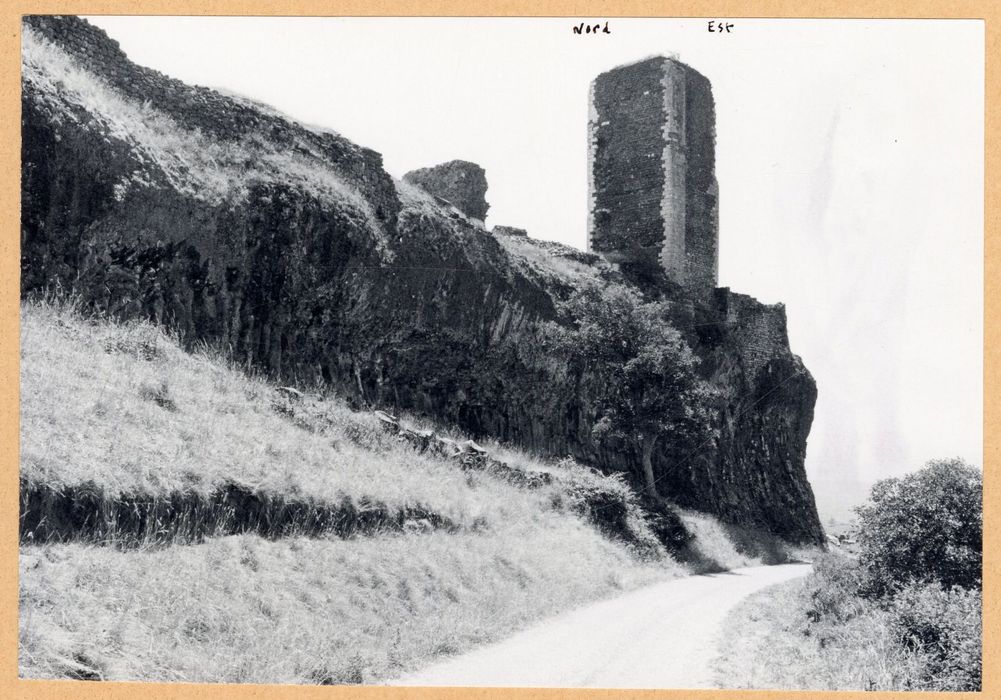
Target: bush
{"points": [[905, 614], [834, 587], [943, 626], [610, 504], [924, 527]]}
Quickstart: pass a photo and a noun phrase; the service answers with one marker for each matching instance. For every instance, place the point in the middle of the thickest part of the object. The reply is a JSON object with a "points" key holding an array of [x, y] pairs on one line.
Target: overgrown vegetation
{"points": [[924, 528], [904, 614], [192, 162], [552, 260], [654, 395], [188, 521]]}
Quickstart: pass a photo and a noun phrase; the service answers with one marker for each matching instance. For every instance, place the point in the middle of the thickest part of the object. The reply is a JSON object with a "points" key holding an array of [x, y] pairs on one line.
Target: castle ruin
{"points": [[651, 173], [459, 182]]}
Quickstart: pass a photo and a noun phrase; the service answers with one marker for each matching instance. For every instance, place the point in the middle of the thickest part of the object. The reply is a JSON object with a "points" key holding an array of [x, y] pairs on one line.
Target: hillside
{"points": [[294, 250], [188, 521]]}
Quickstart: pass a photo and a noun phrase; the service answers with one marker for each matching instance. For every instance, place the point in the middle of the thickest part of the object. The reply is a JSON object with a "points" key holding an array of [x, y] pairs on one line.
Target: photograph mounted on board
{"points": [[586, 353]]}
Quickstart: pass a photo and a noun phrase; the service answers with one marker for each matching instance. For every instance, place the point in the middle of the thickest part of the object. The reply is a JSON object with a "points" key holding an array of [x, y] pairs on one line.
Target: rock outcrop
{"points": [[459, 182], [509, 231], [295, 251]]}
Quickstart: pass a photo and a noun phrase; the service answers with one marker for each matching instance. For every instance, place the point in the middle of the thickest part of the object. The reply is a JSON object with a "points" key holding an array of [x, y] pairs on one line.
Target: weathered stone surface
{"points": [[388, 422], [509, 231], [652, 174], [467, 453], [412, 311], [291, 393], [461, 183]]}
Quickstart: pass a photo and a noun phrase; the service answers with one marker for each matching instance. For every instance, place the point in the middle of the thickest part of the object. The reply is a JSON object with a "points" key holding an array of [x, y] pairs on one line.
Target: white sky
{"points": [[849, 160]]}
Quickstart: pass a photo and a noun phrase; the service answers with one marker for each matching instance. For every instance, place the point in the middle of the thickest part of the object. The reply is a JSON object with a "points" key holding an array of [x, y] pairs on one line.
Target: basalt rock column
{"points": [[653, 193]]}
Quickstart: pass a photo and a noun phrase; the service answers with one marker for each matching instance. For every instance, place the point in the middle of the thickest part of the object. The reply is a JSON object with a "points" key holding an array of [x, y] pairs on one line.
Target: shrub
{"points": [[924, 527], [609, 503], [834, 587], [944, 627], [905, 614]]}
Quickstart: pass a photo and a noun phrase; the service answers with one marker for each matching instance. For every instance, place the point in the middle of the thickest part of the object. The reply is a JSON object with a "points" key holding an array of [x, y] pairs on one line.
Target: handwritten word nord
{"points": [[585, 28]]}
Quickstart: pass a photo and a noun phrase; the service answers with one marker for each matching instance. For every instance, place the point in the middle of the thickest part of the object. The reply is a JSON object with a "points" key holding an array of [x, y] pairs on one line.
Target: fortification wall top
{"points": [[760, 329]]}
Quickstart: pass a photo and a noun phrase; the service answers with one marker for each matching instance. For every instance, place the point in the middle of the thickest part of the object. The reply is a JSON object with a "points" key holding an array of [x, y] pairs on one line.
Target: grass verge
{"points": [[244, 609], [817, 634]]}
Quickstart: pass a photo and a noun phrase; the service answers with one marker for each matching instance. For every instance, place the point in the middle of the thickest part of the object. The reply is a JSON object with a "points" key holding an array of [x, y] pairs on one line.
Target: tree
{"points": [[924, 527], [653, 393]]}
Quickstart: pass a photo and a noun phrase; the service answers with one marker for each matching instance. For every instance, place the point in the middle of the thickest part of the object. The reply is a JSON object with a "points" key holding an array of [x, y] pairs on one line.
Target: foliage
{"points": [[905, 614], [610, 504], [923, 527], [834, 595], [653, 393], [943, 626], [819, 633], [936, 630]]}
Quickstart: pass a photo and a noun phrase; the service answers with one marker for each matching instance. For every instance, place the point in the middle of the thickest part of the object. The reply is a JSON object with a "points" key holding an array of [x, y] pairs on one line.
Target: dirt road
{"points": [[662, 636]]}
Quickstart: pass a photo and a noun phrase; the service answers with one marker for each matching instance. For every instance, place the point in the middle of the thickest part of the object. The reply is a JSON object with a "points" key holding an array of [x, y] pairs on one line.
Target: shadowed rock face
{"points": [[369, 286], [460, 182]]}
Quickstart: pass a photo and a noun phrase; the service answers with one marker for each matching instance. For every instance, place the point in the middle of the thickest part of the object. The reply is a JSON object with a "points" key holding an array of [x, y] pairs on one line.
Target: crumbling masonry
{"points": [[652, 183]]}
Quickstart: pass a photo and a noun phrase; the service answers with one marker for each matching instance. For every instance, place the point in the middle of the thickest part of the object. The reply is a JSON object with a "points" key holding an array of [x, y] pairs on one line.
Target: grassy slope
{"points": [[768, 643], [92, 411], [129, 447], [551, 260], [193, 163], [246, 609], [121, 409], [771, 641]]}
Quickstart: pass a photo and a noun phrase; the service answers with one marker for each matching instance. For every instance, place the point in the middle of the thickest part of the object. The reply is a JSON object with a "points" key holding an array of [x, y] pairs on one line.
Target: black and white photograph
{"points": [[626, 353]]}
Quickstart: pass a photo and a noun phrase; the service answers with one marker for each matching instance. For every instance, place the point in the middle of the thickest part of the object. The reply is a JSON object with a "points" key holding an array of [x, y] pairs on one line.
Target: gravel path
{"points": [[662, 636]]}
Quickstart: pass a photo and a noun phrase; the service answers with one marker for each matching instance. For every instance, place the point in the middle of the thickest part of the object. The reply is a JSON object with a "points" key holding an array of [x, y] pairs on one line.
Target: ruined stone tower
{"points": [[652, 182]]}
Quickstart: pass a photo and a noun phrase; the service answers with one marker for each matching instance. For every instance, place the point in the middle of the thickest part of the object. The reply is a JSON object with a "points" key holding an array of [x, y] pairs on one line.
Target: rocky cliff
{"points": [[293, 249]]}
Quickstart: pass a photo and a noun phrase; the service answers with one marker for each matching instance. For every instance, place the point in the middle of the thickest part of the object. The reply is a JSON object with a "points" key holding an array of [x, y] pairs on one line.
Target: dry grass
{"points": [[199, 166], [550, 260], [718, 547], [121, 408], [711, 548], [770, 644], [243, 609], [818, 634]]}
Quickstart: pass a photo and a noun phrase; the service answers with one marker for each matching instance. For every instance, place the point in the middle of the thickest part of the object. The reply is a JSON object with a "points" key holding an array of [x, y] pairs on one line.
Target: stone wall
{"points": [[651, 169], [459, 182], [626, 173], [701, 191], [760, 329]]}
